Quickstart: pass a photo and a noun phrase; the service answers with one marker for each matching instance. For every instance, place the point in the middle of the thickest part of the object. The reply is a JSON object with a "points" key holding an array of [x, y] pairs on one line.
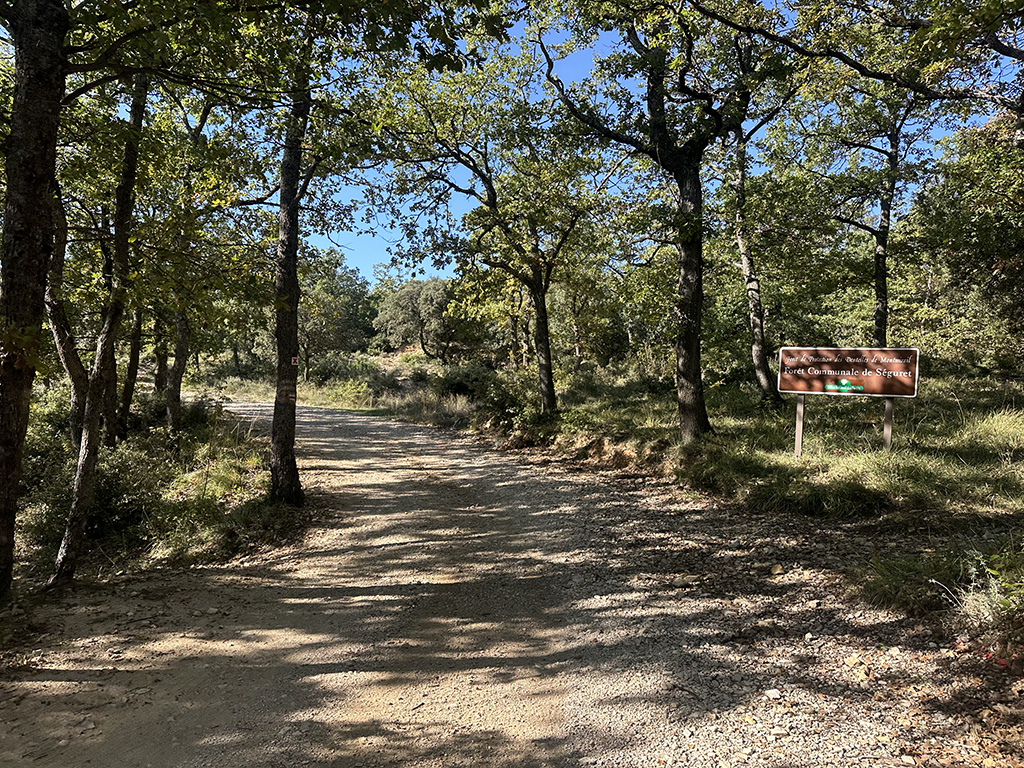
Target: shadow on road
{"points": [[457, 606]]}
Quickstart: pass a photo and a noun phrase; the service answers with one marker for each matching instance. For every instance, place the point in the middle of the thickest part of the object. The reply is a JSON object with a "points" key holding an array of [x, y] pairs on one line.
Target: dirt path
{"points": [[421, 624], [458, 606]]}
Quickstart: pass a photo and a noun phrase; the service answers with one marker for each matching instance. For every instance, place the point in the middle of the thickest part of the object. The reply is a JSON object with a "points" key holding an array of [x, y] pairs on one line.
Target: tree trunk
{"points": [[37, 30], [525, 339], [159, 353], [515, 351], [526, 343], [84, 490], [755, 312], [110, 396], [100, 378], [693, 415], [880, 335], [60, 326], [577, 306], [285, 486], [131, 375], [542, 344], [577, 346], [422, 332], [182, 341], [108, 411]]}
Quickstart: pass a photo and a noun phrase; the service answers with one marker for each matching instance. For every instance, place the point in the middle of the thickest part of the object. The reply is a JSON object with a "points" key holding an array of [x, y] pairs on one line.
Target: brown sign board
{"points": [[834, 371]]}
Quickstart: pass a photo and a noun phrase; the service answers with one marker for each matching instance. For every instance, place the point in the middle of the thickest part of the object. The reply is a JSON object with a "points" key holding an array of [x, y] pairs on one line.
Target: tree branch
{"points": [[964, 94], [854, 223], [590, 121]]}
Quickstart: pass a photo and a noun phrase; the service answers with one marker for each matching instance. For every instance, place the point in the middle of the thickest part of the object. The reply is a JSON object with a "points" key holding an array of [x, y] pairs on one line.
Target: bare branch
{"points": [[590, 121]]}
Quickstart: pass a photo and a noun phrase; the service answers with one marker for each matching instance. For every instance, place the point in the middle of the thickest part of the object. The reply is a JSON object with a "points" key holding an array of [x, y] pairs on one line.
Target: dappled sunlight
{"points": [[462, 609]]}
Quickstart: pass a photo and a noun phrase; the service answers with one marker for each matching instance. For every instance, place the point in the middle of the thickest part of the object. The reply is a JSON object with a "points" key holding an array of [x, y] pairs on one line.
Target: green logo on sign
{"points": [[844, 385]]}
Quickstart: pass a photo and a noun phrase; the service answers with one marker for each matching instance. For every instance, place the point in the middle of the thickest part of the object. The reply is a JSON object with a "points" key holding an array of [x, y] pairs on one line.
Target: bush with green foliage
{"points": [[472, 380], [981, 590], [337, 367], [187, 495]]}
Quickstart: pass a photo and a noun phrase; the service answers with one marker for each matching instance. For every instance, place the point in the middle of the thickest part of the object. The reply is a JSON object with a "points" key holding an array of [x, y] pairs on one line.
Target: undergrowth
{"points": [[978, 586], [954, 478], [957, 458], [197, 494]]}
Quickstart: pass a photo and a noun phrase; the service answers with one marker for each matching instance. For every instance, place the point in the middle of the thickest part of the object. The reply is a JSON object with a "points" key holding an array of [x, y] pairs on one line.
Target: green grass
{"points": [[958, 449], [953, 480], [957, 457], [978, 585]]}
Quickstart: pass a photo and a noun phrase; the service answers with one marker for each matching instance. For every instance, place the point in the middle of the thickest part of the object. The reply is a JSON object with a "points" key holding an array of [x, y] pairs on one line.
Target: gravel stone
{"points": [[453, 605]]}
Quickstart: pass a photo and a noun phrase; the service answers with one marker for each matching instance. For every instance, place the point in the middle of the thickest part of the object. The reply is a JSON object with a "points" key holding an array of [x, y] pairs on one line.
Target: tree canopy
{"points": [[681, 188]]}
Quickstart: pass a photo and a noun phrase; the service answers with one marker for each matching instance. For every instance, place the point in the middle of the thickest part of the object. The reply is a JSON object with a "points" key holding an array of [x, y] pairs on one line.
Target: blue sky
{"points": [[361, 251], [364, 250]]}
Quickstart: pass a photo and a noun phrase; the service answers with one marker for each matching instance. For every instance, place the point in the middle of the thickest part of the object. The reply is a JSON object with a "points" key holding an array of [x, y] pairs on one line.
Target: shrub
{"points": [[350, 394], [472, 380], [336, 367], [979, 589], [166, 494], [129, 490]]}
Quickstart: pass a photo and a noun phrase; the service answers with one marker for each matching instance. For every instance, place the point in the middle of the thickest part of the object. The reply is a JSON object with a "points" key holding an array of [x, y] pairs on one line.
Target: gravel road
{"points": [[455, 605]]}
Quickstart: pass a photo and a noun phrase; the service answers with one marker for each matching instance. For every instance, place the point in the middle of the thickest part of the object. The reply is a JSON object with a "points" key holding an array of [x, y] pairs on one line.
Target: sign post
{"points": [[887, 427], [799, 425], [869, 372]]}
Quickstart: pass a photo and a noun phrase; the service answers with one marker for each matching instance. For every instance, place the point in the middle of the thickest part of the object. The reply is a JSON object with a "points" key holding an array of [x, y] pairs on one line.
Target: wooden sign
{"points": [[870, 372]]}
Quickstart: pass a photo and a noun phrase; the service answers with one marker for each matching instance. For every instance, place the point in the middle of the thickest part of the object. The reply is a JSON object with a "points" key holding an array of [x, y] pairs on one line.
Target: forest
{"points": [[602, 221]]}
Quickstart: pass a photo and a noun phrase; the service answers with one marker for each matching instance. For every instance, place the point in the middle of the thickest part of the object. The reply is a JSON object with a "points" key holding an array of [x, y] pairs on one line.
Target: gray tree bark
{"points": [[688, 310], [880, 316], [755, 310], [100, 383], [160, 354], [285, 485], [61, 328], [37, 30], [131, 375], [176, 372], [542, 341]]}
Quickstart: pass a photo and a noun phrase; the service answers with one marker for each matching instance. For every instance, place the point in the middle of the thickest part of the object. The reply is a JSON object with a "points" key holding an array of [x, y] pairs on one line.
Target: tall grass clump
{"points": [[979, 588]]}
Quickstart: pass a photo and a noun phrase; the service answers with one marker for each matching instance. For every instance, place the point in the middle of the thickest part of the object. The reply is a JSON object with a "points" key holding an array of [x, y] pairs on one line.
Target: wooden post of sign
{"points": [[887, 426], [799, 449]]}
